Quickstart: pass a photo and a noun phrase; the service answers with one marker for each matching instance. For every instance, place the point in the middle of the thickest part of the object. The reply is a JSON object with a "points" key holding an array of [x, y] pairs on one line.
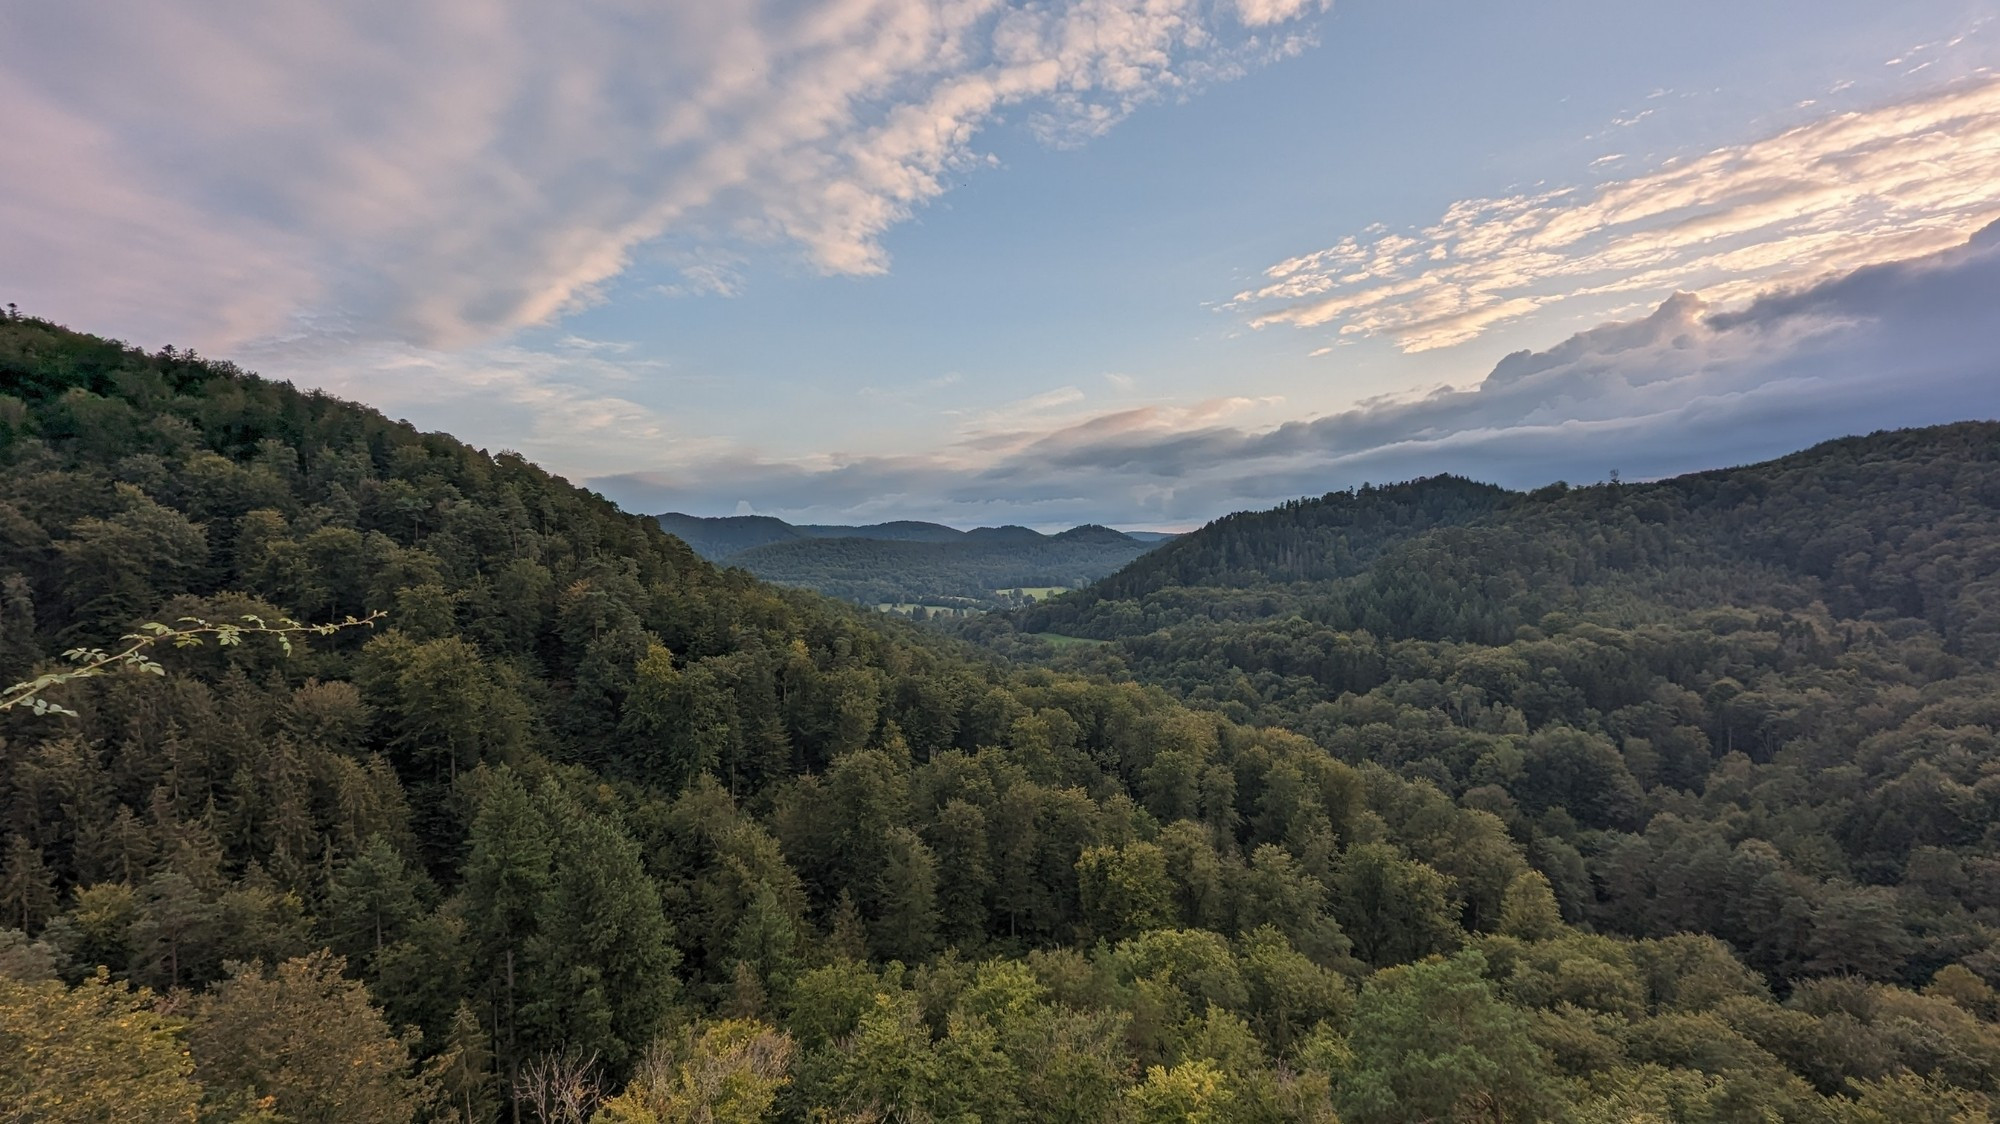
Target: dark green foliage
{"points": [[600, 963], [1746, 702], [372, 901], [1433, 1041], [718, 538], [908, 562], [1691, 788]]}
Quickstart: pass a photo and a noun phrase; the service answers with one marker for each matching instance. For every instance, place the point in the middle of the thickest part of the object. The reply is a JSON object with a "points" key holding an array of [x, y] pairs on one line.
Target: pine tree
{"points": [[373, 897], [601, 958], [174, 935], [27, 888], [118, 850], [747, 997], [847, 935], [506, 877], [652, 720], [460, 1076], [18, 646], [958, 839], [766, 941], [906, 918]]}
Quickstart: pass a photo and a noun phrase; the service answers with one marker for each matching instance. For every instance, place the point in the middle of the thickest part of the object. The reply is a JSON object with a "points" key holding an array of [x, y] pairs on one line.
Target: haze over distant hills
{"points": [[907, 563]]}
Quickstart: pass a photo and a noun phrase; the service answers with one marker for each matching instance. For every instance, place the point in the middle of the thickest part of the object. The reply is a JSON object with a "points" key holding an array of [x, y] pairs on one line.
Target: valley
{"points": [[910, 566], [1637, 795]]}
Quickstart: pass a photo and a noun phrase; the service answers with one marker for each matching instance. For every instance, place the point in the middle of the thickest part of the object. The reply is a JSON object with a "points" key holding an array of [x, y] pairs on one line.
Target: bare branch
{"points": [[190, 633], [561, 1088]]}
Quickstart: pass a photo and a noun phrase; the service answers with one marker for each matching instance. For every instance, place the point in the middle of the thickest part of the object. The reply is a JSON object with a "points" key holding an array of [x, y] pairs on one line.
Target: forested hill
{"points": [[587, 829], [1335, 536], [717, 538], [911, 563], [976, 570], [1900, 523], [1756, 702]]}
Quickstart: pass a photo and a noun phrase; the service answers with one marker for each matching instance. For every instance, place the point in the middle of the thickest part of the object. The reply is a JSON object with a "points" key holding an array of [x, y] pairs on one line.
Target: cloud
{"points": [[1048, 400], [1685, 388], [1263, 13], [567, 407], [1831, 196], [441, 174], [1000, 467]]}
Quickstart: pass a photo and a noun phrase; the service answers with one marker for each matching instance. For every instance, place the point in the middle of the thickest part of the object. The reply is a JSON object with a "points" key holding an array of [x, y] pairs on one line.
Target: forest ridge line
{"points": [[1415, 803]]}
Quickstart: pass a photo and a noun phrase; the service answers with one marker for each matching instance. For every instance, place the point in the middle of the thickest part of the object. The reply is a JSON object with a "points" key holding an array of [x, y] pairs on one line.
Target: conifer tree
{"points": [[957, 838], [373, 898], [847, 935], [766, 941], [506, 878], [601, 958], [905, 922], [460, 1076], [174, 933], [27, 887]]}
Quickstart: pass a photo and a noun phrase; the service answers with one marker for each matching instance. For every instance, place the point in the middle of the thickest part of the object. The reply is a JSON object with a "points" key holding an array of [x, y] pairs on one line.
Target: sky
{"points": [[1137, 263]]}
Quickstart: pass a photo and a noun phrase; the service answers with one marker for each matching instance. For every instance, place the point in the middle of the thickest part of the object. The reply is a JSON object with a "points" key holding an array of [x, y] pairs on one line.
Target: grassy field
{"points": [[1034, 592], [1058, 640], [906, 608]]}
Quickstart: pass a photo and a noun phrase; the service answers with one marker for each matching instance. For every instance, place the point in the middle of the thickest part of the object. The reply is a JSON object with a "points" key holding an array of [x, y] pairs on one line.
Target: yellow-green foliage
{"points": [[728, 1072], [98, 1053]]}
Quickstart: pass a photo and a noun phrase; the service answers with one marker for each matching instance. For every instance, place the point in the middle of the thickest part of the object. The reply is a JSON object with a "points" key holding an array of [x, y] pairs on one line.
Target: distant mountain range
{"points": [[905, 564]]}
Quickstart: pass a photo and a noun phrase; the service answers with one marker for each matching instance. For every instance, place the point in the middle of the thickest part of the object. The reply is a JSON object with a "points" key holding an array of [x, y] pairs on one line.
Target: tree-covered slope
{"points": [[719, 537], [1853, 522], [897, 530], [910, 562], [1335, 536], [588, 818], [965, 571], [1753, 702]]}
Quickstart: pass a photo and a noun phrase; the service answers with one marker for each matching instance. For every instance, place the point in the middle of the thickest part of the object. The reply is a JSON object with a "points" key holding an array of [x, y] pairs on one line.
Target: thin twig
{"points": [[189, 634]]}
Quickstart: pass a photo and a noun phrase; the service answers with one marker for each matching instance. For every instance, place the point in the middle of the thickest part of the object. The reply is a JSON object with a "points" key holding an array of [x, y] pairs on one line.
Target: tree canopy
{"points": [[1648, 802]]}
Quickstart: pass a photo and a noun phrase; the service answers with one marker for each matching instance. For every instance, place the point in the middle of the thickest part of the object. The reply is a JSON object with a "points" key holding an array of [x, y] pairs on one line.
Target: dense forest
{"points": [[912, 563], [1662, 803], [970, 572], [717, 537]]}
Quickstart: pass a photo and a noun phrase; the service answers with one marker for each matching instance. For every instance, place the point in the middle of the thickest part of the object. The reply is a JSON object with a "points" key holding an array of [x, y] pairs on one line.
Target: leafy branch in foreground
{"points": [[187, 632]]}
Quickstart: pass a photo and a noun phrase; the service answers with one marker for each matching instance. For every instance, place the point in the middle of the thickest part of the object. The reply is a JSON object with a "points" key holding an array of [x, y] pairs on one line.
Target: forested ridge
{"points": [[908, 562], [967, 571], [588, 829], [717, 537]]}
